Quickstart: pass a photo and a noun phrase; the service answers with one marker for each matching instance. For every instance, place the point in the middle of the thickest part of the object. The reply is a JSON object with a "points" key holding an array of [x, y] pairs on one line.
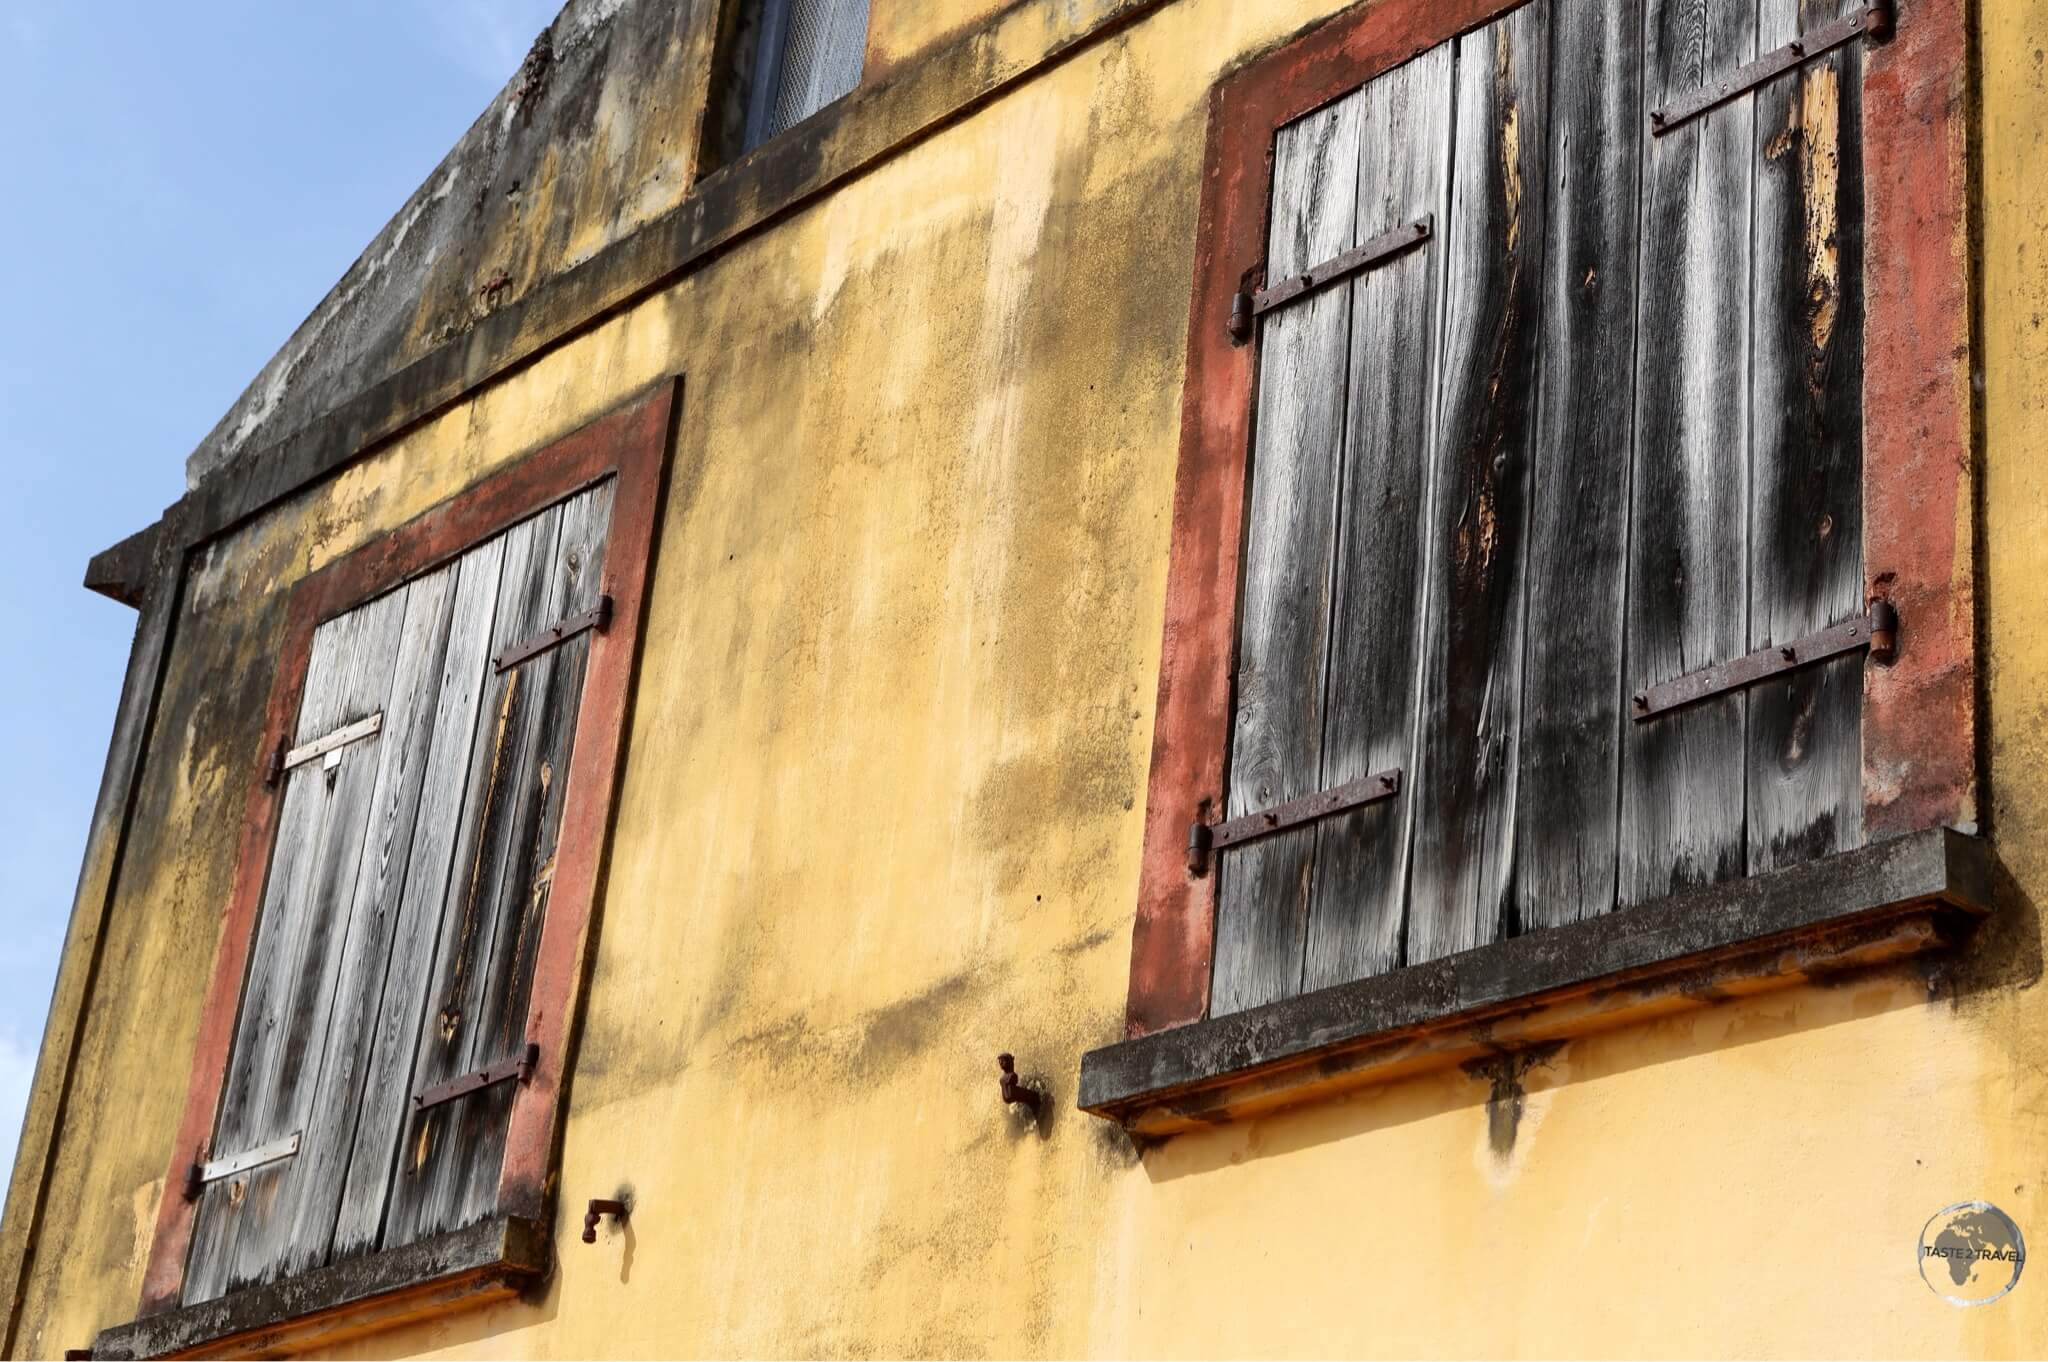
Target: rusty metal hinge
{"points": [[1878, 631], [504, 1071], [598, 617], [1876, 21], [1247, 307], [1206, 838]]}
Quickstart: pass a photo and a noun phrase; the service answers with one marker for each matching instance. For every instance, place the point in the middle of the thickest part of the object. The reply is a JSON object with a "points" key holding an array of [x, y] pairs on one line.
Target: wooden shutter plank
{"points": [[527, 861], [1682, 783], [1361, 857], [1276, 737], [375, 910], [1463, 788], [386, 1103], [1567, 794], [1804, 768], [266, 1212], [418, 1193], [280, 1032], [217, 1221]]}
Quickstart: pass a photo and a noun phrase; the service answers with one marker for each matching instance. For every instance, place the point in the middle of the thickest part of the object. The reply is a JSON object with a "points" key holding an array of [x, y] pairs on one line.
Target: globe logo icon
{"points": [[1971, 1253]]}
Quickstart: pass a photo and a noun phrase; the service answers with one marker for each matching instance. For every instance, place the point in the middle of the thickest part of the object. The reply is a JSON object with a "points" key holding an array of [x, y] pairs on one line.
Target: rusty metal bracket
{"points": [[1205, 838], [1877, 631], [1876, 21], [1245, 308], [600, 1207], [504, 1071], [1015, 1090], [598, 617]]}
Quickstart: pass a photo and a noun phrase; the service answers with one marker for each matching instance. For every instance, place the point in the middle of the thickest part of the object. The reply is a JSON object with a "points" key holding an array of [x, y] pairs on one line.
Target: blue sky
{"points": [[179, 184]]}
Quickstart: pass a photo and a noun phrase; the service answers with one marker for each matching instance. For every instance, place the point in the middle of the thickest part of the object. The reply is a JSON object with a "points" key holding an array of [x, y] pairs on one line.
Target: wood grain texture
{"points": [[1361, 867], [373, 915], [528, 861], [297, 1235], [382, 1114], [296, 957], [1805, 752], [1567, 792], [1461, 883], [448, 1170], [1682, 774], [419, 1187], [1290, 538]]}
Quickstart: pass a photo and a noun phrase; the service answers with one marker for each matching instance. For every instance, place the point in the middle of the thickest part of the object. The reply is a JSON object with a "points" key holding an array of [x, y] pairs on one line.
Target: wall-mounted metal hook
{"points": [[1014, 1091], [600, 1207]]}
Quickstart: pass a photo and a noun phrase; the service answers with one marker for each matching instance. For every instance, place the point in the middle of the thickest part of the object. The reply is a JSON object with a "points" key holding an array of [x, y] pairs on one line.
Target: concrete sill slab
{"points": [[1861, 908], [327, 1306]]}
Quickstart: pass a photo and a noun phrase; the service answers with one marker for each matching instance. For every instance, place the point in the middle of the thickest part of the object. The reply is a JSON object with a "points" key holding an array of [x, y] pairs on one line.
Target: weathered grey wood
{"points": [[304, 1022], [1361, 857], [313, 1185], [1461, 882], [386, 1103], [527, 840], [420, 1194], [217, 1220], [274, 1059], [1283, 635], [1568, 791], [1682, 774], [1805, 787]]}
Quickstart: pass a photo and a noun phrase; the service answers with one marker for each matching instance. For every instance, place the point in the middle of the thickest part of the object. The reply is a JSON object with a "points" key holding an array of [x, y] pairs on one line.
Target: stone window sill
{"points": [[1885, 902], [322, 1308]]}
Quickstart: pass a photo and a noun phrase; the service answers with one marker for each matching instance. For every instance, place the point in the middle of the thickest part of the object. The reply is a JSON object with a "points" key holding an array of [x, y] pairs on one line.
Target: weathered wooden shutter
{"points": [[407, 884], [1598, 429], [1329, 613], [810, 53]]}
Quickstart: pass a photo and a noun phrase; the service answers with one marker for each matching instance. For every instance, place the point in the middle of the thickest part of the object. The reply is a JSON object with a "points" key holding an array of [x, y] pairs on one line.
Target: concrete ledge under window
{"points": [[1885, 902], [319, 1309]]}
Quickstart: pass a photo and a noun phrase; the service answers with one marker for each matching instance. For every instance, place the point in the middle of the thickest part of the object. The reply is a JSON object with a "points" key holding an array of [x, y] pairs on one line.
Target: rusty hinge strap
{"points": [[1876, 20], [1204, 838], [598, 617], [1381, 248], [276, 1151], [1877, 631], [504, 1071], [330, 744]]}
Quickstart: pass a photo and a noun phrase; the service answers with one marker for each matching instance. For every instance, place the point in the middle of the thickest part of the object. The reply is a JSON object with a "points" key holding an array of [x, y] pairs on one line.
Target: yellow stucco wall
{"points": [[880, 820], [900, 29]]}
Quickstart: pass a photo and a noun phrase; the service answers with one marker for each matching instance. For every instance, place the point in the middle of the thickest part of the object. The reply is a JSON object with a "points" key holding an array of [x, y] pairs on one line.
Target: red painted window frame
{"points": [[1919, 719], [632, 444]]}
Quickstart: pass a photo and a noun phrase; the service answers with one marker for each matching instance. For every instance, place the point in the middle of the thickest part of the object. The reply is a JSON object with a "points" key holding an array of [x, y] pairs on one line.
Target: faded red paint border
{"points": [[1919, 542], [631, 444], [1919, 738]]}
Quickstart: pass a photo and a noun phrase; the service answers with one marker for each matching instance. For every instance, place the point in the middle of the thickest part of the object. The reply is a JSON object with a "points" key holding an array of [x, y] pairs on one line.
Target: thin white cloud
{"points": [[17, 1065]]}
